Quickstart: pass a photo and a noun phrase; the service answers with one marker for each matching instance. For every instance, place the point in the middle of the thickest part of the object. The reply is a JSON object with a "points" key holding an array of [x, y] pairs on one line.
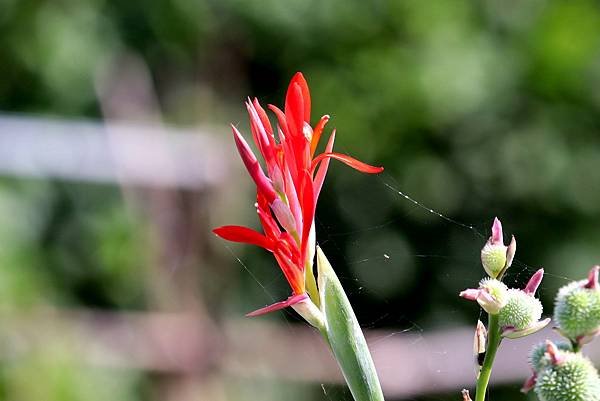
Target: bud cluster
{"points": [[560, 374], [560, 371], [518, 311]]}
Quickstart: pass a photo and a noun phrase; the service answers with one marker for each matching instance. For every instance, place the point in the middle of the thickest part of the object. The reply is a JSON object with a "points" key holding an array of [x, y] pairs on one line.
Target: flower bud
{"points": [[569, 376], [520, 316], [479, 346], [495, 256], [491, 295], [577, 308], [539, 358], [493, 259]]}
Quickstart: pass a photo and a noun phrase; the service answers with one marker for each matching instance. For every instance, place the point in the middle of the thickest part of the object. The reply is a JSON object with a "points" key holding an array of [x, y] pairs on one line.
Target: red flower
{"points": [[287, 194]]}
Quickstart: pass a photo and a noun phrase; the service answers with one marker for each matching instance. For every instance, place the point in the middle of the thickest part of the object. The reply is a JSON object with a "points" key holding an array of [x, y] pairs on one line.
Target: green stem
{"points": [[493, 341]]}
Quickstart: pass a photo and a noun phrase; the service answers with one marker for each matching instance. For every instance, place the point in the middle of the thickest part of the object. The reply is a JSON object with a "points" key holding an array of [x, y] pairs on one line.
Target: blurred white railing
{"points": [[135, 154]]}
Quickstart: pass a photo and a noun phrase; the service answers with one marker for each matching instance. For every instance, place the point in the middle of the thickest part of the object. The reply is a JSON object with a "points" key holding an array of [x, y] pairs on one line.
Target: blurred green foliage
{"points": [[476, 109]]}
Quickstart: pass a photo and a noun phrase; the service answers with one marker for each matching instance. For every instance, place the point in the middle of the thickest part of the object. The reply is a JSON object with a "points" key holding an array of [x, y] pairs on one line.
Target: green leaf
{"points": [[345, 336]]}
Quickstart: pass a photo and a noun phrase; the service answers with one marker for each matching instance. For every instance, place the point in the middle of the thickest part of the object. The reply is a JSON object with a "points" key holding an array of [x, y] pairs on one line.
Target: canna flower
{"points": [[287, 192], [495, 256]]}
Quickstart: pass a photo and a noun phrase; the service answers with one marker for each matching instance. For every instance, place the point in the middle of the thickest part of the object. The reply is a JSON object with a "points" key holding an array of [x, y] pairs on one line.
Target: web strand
{"points": [[428, 209]]}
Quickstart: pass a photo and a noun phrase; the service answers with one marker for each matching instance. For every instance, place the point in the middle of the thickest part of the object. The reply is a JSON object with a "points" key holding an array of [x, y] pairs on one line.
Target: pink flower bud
{"points": [[593, 278], [491, 295], [496, 237], [534, 282], [555, 355], [529, 383], [495, 256]]}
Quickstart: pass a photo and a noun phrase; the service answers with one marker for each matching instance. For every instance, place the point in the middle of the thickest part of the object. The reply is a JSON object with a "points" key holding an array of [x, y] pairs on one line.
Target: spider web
{"points": [[389, 314]]}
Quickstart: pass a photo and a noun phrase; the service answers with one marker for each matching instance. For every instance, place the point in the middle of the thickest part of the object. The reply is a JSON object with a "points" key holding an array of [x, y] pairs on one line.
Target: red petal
{"points": [[263, 184], [292, 195], [263, 116], [267, 220], [350, 161], [269, 225], [294, 273], [308, 209], [317, 134], [294, 109], [298, 78], [281, 119], [245, 235], [294, 299], [264, 141], [322, 171]]}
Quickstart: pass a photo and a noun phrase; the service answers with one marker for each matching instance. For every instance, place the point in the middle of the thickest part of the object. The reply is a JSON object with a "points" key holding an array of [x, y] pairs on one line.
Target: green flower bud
{"points": [[577, 309], [495, 256], [538, 357], [491, 295], [498, 292], [521, 310], [493, 259], [573, 378]]}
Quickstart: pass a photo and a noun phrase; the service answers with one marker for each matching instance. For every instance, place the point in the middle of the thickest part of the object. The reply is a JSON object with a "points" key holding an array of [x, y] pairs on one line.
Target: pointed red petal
{"points": [[294, 299], [281, 119], [350, 161], [245, 235], [292, 195], [263, 117], [307, 204], [294, 109], [263, 184], [268, 223], [322, 171], [264, 141], [299, 79], [314, 142]]}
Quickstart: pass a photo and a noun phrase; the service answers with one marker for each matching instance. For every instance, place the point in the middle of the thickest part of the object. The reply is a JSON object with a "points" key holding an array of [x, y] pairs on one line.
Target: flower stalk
{"points": [[512, 313], [493, 343]]}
